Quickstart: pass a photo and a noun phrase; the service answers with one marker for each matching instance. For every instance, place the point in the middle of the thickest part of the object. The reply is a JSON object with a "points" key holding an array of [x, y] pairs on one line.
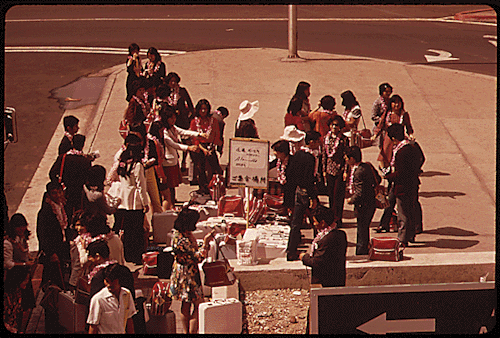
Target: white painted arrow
{"points": [[493, 42], [379, 325], [442, 56]]}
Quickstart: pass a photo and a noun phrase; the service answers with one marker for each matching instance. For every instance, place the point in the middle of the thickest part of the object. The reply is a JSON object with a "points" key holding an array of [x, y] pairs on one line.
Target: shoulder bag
{"points": [[218, 273], [381, 200]]}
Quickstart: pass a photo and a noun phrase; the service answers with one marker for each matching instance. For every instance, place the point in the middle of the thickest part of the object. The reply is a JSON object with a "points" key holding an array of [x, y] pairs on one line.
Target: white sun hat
{"points": [[247, 111], [291, 133]]}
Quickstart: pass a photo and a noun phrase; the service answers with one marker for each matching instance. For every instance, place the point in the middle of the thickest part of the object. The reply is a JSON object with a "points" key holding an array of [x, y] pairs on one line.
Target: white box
{"points": [[246, 252], [225, 292], [222, 316], [72, 316], [163, 223]]}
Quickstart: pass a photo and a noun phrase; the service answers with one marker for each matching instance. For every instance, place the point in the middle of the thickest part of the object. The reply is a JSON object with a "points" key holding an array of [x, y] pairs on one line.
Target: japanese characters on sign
{"points": [[248, 162]]}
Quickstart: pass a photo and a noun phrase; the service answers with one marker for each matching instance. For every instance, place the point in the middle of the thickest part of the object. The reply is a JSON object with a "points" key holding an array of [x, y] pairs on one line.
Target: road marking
{"points": [[76, 49], [442, 56], [493, 42], [380, 325], [445, 19]]}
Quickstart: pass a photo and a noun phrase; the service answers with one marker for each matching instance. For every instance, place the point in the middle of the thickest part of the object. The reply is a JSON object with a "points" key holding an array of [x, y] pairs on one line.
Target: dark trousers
{"points": [[364, 215], [386, 216], [301, 205], [201, 161], [132, 224], [406, 205], [336, 196]]}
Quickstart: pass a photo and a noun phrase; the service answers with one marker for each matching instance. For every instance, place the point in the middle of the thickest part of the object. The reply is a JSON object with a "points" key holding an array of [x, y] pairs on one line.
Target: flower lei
{"points": [[142, 104], [335, 145], [281, 167], [99, 267], [74, 152], [173, 97], [69, 136], [85, 239], [150, 70], [58, 210], [200, 129], [351, 179], [396, 149], [388, 118], [320, 236]]}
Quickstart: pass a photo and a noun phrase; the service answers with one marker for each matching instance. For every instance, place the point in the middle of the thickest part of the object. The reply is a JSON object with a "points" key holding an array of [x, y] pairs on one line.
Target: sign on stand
{"points": [[455, 308], [248, 163]]}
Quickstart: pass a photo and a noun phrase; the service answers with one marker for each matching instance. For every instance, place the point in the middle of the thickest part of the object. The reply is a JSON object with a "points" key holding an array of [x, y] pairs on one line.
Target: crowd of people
{"points": [[333, 165], [319, 153]]}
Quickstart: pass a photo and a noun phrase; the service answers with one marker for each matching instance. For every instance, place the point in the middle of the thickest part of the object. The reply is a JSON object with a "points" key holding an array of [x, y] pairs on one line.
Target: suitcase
{"points": [[162, 324], [72, 316], [222, 316], [385, 248], [163, 223], [206, 210], [231, 205], [225, 292]]}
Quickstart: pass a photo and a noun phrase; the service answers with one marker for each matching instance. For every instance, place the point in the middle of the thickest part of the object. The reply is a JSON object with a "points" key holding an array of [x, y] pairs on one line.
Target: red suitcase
{"points": [[386, 249], [231, 205]]}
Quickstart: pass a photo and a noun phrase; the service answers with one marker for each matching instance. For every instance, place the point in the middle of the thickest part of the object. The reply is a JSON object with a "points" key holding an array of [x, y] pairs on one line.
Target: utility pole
{"points": [[292, 32]]}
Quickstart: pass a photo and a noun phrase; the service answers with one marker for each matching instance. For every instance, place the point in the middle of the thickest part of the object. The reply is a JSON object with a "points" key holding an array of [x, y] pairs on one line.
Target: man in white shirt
{"points": [[112, 308]]}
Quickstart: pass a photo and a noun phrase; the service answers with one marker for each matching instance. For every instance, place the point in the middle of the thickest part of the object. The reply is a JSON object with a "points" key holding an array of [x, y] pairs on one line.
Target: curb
{"points": [[488, 15]]}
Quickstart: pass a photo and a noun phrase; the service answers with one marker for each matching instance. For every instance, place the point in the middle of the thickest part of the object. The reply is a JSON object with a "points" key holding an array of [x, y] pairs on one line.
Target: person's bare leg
{"points": [[193, 322], [185, 315]]}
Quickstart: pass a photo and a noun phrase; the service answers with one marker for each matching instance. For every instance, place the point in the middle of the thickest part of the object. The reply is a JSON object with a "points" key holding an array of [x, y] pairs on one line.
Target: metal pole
{"points": [[292, 31]]}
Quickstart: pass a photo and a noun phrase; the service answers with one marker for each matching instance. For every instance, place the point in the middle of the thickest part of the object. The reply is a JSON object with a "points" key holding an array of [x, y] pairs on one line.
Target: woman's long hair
{"points": [[396, 98], [348, 99], [198, 107], [132, 154], [300, 91], [154, 51], [133, 113]]}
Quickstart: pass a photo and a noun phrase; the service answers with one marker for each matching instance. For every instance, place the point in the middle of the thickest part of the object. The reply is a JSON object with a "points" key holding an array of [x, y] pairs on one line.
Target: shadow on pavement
{"points": [[444, 243], [450, 194], [450, 231], [433, 173]]}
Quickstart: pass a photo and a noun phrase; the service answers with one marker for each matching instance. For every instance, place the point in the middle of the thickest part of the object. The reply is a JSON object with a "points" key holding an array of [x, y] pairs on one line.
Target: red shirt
{"points": [[208, 126]]}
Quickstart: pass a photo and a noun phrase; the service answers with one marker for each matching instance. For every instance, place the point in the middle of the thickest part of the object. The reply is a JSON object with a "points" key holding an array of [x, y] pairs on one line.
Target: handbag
{"points": [[363, 136], [218, 273], [124, 128], [381, 200], [386, 248]]}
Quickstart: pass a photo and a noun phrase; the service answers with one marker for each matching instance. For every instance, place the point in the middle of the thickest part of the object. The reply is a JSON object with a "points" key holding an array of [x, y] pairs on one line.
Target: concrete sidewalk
{"points": [[456, 133]]}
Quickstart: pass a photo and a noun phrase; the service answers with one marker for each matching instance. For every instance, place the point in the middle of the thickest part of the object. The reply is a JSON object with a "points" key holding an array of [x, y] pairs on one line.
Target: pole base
{"points": [[293, 58]]}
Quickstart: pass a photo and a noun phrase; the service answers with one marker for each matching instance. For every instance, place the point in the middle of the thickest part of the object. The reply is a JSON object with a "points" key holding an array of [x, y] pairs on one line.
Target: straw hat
{"points": [[247, 111], [291, 133]]}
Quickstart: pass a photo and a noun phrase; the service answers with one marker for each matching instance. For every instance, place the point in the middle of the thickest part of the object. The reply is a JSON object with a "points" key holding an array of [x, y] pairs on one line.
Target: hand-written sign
{"points": [[248, 162]]}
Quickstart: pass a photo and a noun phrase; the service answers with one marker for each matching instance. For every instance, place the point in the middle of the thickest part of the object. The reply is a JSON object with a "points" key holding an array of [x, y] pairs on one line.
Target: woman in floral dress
{"points": [[185, 281], [395, 114]]}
